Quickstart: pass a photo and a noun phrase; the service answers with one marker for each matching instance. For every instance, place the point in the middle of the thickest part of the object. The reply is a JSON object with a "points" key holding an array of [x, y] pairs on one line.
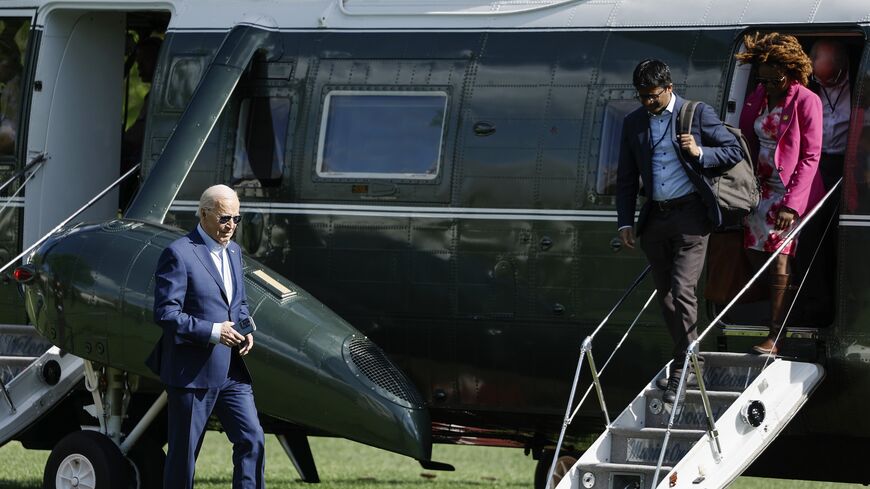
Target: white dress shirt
{"points": [[221, 260], [836, 109]]}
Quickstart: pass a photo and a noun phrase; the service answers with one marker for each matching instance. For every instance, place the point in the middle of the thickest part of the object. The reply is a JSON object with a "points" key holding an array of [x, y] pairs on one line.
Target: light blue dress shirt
{"points": [[668, 175]]}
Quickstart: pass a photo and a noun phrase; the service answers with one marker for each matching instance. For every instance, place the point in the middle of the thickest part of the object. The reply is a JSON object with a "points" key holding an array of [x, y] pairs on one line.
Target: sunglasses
{"points": [[650, 97], [769, 81], [226, 218]]}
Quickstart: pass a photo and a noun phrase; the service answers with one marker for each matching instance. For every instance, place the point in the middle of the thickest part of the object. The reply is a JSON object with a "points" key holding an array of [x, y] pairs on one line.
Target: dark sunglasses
{"points": [[769, 81], [226, 219]]}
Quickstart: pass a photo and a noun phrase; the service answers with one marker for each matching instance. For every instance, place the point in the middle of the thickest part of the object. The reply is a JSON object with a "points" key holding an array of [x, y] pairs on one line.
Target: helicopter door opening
{"points": [[814, 303], [76, 118]]}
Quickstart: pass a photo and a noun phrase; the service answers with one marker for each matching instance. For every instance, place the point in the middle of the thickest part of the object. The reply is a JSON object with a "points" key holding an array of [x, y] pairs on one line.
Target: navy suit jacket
{"points": [[720, 148], [189, 297]]}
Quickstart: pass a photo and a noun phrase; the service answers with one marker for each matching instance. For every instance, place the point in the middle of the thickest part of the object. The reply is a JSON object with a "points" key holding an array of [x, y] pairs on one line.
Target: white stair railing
{"points": [[692, 353], [70, 218], [586, 354]]}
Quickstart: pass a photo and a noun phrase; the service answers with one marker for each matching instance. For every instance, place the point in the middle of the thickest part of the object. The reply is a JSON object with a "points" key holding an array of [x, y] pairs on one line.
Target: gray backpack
{"points": [[735, 187]]}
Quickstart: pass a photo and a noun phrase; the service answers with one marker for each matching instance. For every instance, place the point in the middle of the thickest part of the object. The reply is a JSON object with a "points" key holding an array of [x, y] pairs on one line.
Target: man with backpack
{"points": [[681, 207]]}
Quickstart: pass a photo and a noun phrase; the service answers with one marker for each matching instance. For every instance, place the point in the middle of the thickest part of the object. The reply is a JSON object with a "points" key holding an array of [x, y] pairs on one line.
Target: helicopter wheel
{"points": [[86, 460]]}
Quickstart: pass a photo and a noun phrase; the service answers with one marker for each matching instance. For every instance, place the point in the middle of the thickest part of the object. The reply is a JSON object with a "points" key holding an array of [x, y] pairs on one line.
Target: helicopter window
{"points": [[608, 150], [184, 76], [260, 140], [382, 134]]}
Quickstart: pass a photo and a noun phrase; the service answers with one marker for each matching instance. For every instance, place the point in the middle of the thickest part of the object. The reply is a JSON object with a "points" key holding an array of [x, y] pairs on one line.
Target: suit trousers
{"points": [[189, 410], [675, 243]]}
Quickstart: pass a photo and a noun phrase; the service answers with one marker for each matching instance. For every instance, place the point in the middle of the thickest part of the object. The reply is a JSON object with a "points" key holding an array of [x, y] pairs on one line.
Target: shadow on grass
{"points": [[7, 484]]}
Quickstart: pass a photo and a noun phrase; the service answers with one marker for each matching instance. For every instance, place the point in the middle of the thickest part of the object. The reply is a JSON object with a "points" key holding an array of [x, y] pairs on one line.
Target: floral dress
{"points": [[760, 230]]}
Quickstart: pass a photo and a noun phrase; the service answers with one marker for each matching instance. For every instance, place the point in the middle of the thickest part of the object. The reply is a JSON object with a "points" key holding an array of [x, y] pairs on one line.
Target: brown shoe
{"points": [[767, 347]]}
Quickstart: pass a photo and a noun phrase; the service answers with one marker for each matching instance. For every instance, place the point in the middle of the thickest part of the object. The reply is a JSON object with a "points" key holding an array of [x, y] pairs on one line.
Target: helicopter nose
{"points": [[93, 297]]}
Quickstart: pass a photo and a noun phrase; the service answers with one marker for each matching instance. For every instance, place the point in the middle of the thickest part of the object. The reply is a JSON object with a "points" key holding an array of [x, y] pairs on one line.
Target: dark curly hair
{"points": [[777, 49]]}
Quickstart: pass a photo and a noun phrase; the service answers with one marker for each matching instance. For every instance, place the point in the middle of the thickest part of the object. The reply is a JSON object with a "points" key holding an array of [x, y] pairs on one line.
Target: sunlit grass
{"points": [[348, 465]]}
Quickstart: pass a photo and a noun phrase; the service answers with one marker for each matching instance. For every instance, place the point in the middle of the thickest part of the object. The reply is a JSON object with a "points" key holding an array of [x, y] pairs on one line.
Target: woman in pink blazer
{"points": [[782, 121]]}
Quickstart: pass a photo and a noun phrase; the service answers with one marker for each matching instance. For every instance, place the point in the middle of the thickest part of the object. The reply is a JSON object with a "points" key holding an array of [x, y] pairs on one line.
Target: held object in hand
{"points": [[245, 326]]}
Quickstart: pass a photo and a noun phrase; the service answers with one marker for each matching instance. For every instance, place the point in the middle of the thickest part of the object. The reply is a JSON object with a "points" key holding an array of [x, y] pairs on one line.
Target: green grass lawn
{"points": [[347, 465]]}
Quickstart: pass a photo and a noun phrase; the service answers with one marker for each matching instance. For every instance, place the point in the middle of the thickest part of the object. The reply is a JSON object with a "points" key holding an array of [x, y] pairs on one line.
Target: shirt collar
{"points": [[669, 109], [213, 246]]}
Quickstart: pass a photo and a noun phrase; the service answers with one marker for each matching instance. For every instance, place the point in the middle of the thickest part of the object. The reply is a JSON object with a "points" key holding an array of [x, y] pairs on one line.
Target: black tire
{"points": [[148, 460], [563, 465], [91, 457]]}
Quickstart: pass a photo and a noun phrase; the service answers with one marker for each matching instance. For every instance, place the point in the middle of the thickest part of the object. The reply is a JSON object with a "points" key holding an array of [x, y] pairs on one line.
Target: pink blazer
{"points": [[798, 144]]}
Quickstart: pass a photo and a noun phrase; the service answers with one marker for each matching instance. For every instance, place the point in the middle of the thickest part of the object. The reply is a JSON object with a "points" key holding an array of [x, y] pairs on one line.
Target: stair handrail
{"points": [[8, 200], [613, 353], [37, 160], [789, 237], [71, 217], [586, 354], [692, 352]]}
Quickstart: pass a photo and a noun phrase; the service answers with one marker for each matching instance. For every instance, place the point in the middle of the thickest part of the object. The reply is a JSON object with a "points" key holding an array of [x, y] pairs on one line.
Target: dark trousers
{"points": [[816, 300], [189, 410], [675, 243]]}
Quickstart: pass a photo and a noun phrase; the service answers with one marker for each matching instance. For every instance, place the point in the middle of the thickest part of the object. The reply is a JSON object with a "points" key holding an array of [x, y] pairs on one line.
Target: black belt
{"points": [[668, 205]]}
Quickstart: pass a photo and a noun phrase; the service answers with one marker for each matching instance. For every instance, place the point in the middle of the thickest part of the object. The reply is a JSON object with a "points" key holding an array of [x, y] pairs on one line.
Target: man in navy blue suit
{"points": [[199, 296], [681, 208]]}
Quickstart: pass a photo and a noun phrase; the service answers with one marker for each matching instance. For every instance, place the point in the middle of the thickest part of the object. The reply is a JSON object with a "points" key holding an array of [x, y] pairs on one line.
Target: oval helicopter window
{"points": [[395, 135], [184, 76]]}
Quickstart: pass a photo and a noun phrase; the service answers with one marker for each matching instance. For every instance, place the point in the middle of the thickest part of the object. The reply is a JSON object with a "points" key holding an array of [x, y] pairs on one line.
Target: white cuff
{"points": [[622, 227], [701, 156], [215, 334]]}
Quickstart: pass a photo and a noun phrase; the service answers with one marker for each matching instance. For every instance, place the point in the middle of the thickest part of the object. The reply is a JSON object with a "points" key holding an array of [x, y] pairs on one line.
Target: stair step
{"points": [[731, 371], [611, 475], [733, 359], [655, 432], [691, 411], [643, 446]]}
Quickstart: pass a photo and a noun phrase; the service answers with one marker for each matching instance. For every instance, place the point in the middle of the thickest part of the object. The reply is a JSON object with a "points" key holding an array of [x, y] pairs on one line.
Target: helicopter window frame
{"points": [[328, 114], [283, 141], [612, 114], [17, 128], [181, 85]]}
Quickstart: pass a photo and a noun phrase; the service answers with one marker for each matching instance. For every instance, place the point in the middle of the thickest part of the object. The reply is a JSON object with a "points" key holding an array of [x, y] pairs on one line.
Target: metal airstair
{"points": [[715, 429], [34, 375], [751, 403], [31, 386]]}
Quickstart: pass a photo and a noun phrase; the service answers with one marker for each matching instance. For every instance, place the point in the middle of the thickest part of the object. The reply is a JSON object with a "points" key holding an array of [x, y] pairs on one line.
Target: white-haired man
{"points": [[199, 295]]}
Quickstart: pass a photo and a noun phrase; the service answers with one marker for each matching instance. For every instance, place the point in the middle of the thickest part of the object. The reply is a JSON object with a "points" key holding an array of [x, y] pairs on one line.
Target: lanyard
{"points": [[828, 98], [652, 146]]}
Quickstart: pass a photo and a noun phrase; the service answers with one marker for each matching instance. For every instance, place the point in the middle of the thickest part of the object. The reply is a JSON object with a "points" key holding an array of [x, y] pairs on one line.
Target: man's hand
{"points": [[785, 218], [229, 336], [687, 143], [626, 235], [247, 345]]}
